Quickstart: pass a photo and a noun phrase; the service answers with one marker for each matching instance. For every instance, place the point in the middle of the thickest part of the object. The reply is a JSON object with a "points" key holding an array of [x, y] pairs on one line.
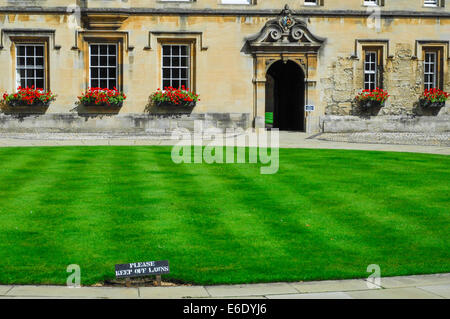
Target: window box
{"points": [[100, 101], [433, 98], [170, 104], [27, 101], [371, 101], [172, 97]]}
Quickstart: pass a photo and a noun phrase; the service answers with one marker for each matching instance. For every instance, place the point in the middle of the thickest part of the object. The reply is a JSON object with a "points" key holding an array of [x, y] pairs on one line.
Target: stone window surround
{"points": [[439, 50], [441, 46], [31, 36], [193, 38], [102, 37], [34, 67], [191, 42]]}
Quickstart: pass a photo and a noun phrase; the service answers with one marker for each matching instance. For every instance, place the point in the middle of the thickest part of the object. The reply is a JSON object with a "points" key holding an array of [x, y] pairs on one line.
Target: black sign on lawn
{"points": [[147, 268]]}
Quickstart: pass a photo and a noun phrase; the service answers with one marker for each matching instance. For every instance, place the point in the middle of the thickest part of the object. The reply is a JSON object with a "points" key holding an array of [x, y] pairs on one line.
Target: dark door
{"points": [[288, 96]]}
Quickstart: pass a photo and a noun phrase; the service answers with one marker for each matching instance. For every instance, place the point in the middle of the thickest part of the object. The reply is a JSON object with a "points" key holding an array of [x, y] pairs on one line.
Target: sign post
{"points": [[139, 269], [308, 110]]}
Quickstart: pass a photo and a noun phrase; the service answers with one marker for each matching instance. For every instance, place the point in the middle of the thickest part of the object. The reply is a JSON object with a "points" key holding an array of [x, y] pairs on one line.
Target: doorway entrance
{"points": [[285, 96]]}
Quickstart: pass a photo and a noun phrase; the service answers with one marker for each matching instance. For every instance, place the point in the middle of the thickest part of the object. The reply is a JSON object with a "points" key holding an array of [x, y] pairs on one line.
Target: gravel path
{"points": [[426, 139]]}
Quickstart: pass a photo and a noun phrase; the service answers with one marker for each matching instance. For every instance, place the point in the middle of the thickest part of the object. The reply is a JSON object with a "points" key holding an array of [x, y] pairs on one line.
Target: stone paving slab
{"points": [[440, 290], [287, 140], [61, 291], [250, 290], [414, 281], [331, 285], [319, 295], [395, 293], [173, 292], [4, 289]]}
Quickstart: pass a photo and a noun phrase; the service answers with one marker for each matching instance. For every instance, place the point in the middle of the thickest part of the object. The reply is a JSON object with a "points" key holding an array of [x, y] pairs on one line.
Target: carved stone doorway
{"points": [[285, 95], [285, 40]]}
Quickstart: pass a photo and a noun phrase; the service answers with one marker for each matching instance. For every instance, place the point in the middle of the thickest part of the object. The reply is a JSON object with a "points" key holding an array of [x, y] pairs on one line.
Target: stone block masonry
{"points": [[127, 123]]}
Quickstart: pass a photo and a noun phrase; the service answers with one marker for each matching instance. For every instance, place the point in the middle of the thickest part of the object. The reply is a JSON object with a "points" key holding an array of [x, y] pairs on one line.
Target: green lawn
{"points": [[326, 214]]}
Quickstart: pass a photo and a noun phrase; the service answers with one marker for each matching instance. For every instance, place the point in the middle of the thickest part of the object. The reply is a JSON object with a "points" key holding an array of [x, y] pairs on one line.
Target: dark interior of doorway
{"points": [[285, 96]]}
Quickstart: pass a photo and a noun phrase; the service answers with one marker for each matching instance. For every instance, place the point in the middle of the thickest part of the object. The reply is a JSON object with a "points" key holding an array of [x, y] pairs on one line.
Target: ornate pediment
{"points": [[285, 33]]}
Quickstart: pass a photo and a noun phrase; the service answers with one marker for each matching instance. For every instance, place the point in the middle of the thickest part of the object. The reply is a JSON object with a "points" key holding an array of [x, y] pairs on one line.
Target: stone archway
{"points": [[284, 38], [285, 95]]}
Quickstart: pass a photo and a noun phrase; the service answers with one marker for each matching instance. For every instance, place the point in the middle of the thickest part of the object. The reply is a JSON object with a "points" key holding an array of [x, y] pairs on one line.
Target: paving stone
{"points": [[173, 292], [394, 293], [331, 285], [319, 295], [441, 290], [61, 291], [4, 289], [415, 281], [250, 290]]}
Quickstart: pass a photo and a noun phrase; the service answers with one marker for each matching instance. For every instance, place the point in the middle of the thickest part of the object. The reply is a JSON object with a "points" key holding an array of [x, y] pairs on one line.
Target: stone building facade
{"points": [[243, 57]]}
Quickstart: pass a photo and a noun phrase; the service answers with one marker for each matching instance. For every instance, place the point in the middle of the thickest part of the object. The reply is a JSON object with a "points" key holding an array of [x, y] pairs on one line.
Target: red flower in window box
{"points": [[174, 97], [29, 97], [372, 98], [102, 97], [433, 98]]}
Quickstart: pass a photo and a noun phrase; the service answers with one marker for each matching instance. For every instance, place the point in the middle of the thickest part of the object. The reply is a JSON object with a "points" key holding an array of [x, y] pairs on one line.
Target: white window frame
{"points": [[370, 72], [108, 66], [371, 2], [431, 3], [311, 2], [432, 70], [33, 67], [243, 2], [187, 67]]}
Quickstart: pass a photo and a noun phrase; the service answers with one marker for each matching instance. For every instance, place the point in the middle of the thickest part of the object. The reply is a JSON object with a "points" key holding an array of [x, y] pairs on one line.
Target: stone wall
{"points": [[402, 78], [126, 123], [387, 123]]}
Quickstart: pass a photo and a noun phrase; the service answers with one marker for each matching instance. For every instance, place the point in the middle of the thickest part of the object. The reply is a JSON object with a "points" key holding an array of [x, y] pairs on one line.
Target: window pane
{"points": [[166, 61], [112, 73], [166, 50], [39, 51], [30, 50], [94, 49], [112, 50], [40, 73], [21, 50], [112, 61], [94, 60], [40, 83], [112, 84], [103, 84], [166, 73], [94, 73], [166, 83], [103, 49], [94, 83]]}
